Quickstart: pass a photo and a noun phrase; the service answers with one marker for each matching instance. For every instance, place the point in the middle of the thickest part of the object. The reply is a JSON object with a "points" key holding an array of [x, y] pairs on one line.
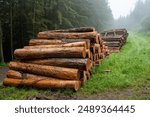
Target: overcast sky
{"points": [[121, 7]]}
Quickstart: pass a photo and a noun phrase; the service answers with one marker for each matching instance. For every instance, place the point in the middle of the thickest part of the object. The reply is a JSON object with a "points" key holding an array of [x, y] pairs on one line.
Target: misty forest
{"points": [[123, 74]]}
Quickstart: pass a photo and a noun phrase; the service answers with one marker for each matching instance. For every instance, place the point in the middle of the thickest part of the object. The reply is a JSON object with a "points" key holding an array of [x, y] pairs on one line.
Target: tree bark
{"points": [[88, 42], [50, 71], [73, 52], [14, 74], [91, 35], [113, 44], [82, 64], [11, 28], [34, 42], [75, 44], [43, 83], [1, 45]]}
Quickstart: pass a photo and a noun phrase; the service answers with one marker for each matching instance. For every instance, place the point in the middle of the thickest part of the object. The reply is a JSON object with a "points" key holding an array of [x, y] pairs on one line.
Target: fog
{"points": [[131, 14], [121, 7]]}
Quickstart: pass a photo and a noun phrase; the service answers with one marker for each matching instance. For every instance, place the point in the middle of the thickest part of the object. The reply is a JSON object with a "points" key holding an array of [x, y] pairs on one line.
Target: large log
{"points": [[43, 83], [34, 42], [73, 52], [81, 29], [93, 36], [50, 71], [20, 75], [82, 64], [75, 44]]}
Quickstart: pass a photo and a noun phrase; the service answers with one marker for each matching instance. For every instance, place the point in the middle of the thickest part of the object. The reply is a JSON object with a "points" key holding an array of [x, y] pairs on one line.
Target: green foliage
{"points": [[23, 19], [146, 24]]}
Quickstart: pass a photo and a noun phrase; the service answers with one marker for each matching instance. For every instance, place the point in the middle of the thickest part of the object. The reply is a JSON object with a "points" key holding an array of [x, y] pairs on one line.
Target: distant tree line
{"points": [[138, 19], [20, 20]]}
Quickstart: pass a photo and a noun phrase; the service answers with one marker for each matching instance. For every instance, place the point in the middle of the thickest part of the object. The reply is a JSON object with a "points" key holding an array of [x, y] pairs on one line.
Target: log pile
{"points": [[57, 59], [115, 39]]}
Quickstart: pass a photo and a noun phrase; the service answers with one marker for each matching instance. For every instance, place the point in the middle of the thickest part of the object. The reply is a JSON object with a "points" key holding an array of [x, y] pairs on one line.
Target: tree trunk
{"points": [[82, 64], [11, 27], [1, 45], [34, 42], [75, 44], [74, 52], [91, 35], [43, 83], [74, 30], [50, 71]]}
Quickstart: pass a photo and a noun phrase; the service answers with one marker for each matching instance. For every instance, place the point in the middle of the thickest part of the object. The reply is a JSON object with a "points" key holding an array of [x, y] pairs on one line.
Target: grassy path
{"points": [[129, 77]]}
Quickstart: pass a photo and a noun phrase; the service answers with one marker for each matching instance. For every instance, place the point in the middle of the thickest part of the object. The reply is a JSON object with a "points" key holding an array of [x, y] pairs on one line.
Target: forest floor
{"points": [[129, 77]]}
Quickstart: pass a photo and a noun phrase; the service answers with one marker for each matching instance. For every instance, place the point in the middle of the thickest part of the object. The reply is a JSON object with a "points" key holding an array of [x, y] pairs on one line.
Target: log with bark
{"points": [[43, 83], [49, 71], [113, 44], [14, 74], [93, 36], [73, 52], [34, 42], [75, 44], [88, 42], [81, 64]]}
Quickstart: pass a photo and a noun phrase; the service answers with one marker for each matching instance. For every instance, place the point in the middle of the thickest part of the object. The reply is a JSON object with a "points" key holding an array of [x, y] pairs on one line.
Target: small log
{"points": [[14, 74], [43, 83], [50, 71], [81, 64], [113, 44], [112, 38], [73, 52], [34, 42], [78, 40], [97, 48], [75, 44]]}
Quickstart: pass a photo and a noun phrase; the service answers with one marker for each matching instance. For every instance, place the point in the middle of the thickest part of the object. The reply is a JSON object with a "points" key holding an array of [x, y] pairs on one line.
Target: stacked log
{"points": [[115, 39], [57, 59]]}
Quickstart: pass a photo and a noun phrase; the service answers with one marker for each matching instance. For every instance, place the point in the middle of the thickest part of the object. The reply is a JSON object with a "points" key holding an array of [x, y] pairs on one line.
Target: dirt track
{"points": [[3, 71]]}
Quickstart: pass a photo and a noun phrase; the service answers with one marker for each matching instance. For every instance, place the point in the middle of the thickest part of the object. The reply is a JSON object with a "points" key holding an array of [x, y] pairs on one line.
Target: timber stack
{"points": [[114, 39], [57, 59]]}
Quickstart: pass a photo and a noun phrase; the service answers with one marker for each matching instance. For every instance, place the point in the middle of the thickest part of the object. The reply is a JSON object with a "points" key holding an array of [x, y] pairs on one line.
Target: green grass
{"points": [[128, 69], [3, 64]]}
